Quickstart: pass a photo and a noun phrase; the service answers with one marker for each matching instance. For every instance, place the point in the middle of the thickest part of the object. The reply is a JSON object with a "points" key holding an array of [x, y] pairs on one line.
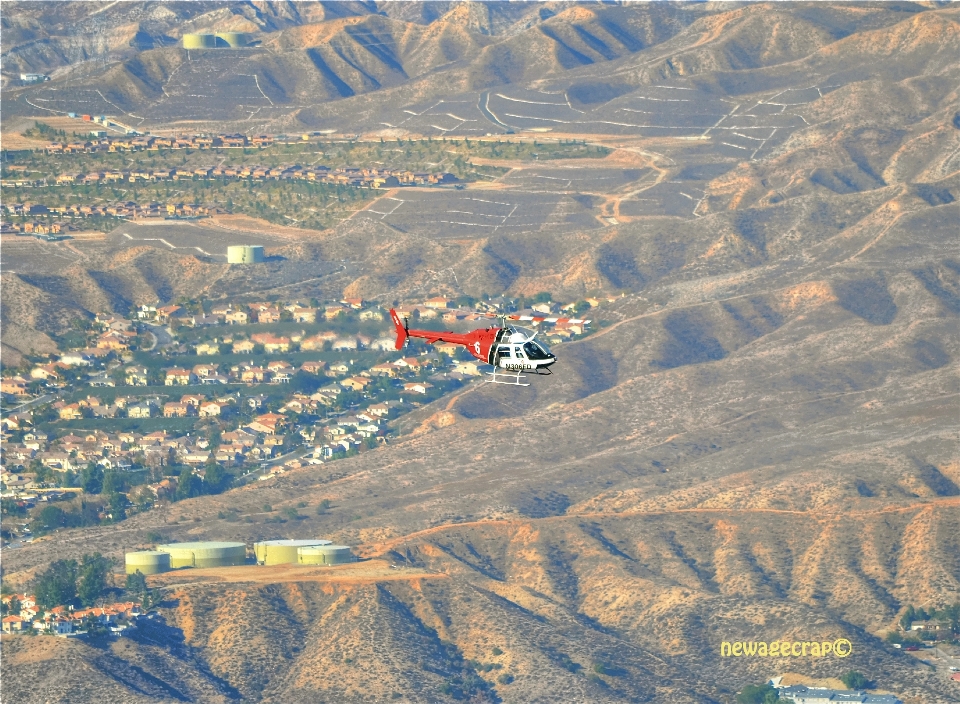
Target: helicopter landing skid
{"points": [[512, 378]]}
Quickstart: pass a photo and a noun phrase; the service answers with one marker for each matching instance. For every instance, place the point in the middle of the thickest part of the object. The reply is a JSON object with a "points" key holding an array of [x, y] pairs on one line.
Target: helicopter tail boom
{"points": [[402, 330]]}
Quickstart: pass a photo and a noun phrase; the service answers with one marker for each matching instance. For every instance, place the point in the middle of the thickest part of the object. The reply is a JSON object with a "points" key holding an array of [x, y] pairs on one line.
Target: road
{"points": [[30, 404], [161, 336], [273, 462]]}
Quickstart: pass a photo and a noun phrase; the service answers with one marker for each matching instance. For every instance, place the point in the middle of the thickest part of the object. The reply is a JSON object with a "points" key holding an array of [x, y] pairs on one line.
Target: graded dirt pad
{"points": [[16, 140], [188, 237], [245, 225], [367, 571], [462, 214]]}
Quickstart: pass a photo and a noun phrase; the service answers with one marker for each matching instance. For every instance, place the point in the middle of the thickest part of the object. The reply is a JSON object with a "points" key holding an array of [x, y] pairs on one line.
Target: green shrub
{"points": [[758, 694], [854, 680]]}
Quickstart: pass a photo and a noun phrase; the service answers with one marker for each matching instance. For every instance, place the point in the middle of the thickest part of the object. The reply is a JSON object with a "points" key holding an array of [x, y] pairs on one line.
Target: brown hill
{"points": [[759, 450], [758, 443]]}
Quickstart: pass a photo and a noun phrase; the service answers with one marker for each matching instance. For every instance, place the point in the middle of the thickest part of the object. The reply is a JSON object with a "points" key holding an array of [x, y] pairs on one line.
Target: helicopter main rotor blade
{"points": [[540, 319]]}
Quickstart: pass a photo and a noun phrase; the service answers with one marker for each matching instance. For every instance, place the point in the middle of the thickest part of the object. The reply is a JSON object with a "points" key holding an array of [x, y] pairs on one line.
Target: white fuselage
{"points": [[518, 353]]}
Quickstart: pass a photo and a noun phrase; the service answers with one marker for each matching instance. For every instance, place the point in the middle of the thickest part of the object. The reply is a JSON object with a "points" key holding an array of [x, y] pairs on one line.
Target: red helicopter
{"points": [[510, 348]]}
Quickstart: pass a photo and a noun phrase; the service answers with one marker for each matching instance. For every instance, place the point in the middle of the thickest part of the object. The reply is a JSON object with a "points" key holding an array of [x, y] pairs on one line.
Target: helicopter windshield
{"points": [[536, 351], [516, 329]]}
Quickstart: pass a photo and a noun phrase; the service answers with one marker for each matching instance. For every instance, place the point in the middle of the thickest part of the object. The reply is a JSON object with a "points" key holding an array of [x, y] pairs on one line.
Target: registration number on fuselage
{"points": [[517, 367]]}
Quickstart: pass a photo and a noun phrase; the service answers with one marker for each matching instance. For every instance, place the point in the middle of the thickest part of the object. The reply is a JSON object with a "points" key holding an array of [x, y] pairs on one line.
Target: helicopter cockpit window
{"points": [[504, 352], [518, 352], [535, 351]]}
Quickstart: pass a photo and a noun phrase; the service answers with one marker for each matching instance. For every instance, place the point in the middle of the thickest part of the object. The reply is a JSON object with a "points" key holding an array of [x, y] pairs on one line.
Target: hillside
{"points": [[759, 441]]}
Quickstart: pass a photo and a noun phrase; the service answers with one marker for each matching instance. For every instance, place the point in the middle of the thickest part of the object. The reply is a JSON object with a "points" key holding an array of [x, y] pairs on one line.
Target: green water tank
{"points": [[325, 555], [199, 41], [234, 40], [205, 554], [282, 552], [147, 562]]}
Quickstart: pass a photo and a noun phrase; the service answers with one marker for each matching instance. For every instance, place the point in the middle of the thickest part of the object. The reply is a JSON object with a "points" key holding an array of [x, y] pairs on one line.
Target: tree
{"points": [[305, 383], [908, 617], [93, 577], [91, 480], [854, 680], [136, 584], [48, 518], [57, 584], [12, 507], [215, 478], [144, 497], [758, 694], [112, 482], [12, 607], [188, 484], [952, 614], [118, 506]]}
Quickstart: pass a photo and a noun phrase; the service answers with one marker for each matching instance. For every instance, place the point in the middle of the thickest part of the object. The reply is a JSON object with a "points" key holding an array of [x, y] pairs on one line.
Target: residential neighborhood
{"points": [[66, 621], [256, 388]]}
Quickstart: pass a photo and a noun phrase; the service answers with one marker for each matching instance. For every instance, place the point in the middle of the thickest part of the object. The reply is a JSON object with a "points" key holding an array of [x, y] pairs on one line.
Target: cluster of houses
{"points": [[66, 620], [262, 313], [143, 142], [260, 439], [348, 176], [118, 337], [126, 209]]}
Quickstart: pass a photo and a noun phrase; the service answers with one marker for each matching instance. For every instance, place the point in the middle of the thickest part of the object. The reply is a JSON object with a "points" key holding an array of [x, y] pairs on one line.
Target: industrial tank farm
{"points": [[206, 554], [172, 556], [282, 552]]}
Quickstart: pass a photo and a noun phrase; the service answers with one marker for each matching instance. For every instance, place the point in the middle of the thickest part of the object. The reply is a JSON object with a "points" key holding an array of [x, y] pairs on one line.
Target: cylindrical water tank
{"points": [[232, 39], [205, 554], [147, 562], [325, 555], [245, 254], [199, 41], [282, 552]]}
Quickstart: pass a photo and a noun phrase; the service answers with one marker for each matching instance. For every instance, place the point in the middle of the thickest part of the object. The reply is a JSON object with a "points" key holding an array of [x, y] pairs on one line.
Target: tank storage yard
{"points": [[228, 554]]}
